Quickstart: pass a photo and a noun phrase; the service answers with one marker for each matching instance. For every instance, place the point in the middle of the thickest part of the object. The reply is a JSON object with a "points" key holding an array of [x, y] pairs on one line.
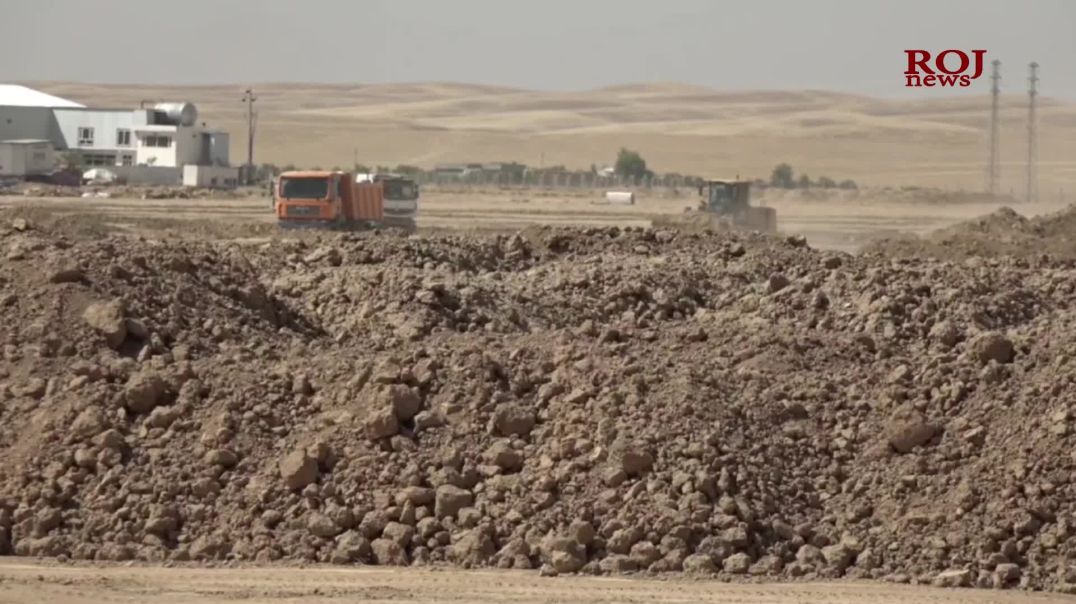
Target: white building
{"points": [[162, 138], [22, 158]]}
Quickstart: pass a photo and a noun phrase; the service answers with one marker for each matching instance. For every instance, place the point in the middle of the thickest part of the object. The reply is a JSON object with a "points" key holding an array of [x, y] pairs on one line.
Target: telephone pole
{"points": [[1033, 79], [249, 98], [994, 170]]}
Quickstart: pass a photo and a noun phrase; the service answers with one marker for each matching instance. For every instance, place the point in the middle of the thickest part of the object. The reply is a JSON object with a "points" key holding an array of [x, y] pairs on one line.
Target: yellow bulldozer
{"points": [[724, 204]]}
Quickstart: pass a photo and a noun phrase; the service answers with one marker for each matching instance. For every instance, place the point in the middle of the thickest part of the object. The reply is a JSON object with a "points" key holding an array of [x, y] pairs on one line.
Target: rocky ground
{"points": [[575, 401]]}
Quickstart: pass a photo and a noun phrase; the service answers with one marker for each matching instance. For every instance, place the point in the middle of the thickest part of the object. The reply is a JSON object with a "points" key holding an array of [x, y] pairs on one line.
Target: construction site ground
{"points": [[27, 582], [697, 417], [830, 224]]}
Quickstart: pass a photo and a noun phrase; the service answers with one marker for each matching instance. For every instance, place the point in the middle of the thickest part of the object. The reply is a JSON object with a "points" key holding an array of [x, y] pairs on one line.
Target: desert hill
{"points": [[677, 127]]}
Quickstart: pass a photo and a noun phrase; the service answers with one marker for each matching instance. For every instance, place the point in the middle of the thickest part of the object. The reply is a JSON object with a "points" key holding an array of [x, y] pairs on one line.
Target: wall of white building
{"points": [[103, 127], [26, 158], [218, 177], [20, 123], [168, 145]]}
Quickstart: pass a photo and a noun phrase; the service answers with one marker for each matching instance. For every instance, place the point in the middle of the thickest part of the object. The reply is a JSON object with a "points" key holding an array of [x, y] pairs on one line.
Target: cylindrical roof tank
{"points": [[183, 114]]}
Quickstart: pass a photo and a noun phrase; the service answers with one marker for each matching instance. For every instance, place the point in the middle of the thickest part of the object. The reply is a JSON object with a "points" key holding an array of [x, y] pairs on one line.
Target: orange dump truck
{"points": [[328, 199]]}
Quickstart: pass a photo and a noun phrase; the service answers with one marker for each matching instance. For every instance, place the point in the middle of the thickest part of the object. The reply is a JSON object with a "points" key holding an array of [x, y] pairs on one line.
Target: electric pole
{"points": [[1033, 79], [994, 170], [249, 98]]}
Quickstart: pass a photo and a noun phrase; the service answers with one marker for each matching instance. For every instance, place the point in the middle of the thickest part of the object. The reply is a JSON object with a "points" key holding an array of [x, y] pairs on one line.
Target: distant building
{"points": [[466, 169], [22, 158], [148, 144]]}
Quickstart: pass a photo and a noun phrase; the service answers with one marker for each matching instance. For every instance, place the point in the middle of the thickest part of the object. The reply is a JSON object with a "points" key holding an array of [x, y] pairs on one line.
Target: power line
{"points": [[1033, 79], [994, 170]]}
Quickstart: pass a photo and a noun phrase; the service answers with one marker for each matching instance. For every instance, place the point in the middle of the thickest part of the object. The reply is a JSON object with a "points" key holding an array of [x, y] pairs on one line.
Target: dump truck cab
{"points": [[326, 199], [401, 198], [309, 196]]}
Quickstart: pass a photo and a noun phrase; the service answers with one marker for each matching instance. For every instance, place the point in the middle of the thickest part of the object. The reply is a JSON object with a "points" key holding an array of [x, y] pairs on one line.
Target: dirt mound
{"points": [[1002, 233], [589, 400]]}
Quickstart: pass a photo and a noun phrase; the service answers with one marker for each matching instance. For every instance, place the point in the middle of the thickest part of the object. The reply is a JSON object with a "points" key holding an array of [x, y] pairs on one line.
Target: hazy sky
{"points": [[847, 45]]}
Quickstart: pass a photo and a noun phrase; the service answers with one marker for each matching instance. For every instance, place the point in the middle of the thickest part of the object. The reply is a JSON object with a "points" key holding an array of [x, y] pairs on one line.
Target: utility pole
{"points": [[1033, 79], [994, 170], [249, 98]]}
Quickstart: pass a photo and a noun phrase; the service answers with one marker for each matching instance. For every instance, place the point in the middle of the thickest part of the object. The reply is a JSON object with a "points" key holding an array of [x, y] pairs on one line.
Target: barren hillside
{"points": [[677, 127]]}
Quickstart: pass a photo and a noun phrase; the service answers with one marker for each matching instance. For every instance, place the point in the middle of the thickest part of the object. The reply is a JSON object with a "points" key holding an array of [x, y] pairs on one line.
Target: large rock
{"points": [[399, 532], [618, 564], [89, 423], [382, 423], [582, 532], [908, 429], [106, 318], [416, 496], [632, 458], [838, 557], [992, 346], [945, 333], [502, 455], [699, 564], [512, 419], [405, 402], [450, 500], [563, 554], [954, 578], [472, 548], [737, 564], [351, 547], [810, 556], [298, 469], [387, 552], [144, 391], [322, 526]]}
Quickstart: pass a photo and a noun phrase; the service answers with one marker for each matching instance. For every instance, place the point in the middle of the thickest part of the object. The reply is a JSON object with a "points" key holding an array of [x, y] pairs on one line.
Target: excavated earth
{"points": [[571, 400]]}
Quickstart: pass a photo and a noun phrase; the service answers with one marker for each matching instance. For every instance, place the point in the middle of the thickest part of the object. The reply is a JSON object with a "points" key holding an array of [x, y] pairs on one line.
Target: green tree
{"points": [[804, 182], [630, 163], [782, 177], [848, 184], [408, 170], [826, 182]]}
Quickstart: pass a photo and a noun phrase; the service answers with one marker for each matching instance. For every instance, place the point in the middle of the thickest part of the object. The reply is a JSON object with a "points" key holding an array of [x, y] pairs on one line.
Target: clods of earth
{"points": [[596, 401]]}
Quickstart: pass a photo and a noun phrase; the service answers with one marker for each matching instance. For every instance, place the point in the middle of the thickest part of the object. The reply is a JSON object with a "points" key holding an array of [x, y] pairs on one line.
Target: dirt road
{"points": [[26, 582], [826, 224]]}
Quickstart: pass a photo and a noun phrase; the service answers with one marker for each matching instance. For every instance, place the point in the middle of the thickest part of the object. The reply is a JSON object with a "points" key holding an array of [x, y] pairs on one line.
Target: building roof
{"points": [[21, 96]]}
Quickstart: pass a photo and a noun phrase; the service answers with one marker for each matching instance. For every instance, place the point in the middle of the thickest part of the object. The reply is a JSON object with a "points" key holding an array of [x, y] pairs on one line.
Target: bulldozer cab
{"points": [[725, 197]]}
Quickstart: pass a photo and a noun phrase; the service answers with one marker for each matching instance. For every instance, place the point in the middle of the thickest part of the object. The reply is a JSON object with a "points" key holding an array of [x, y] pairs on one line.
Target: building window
{"points": [[98, 159], [127, 160], [85, 136], [157, 140], [123, 138]]}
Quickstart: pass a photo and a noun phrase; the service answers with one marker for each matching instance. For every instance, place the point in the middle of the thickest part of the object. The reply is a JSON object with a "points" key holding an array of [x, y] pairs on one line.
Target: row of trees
{"points": [[629, 166], [783, 177]]}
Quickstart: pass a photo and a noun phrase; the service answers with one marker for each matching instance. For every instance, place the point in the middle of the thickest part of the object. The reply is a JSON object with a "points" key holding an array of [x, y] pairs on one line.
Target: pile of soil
{"points": [[1002, 233], [571, 400]]}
